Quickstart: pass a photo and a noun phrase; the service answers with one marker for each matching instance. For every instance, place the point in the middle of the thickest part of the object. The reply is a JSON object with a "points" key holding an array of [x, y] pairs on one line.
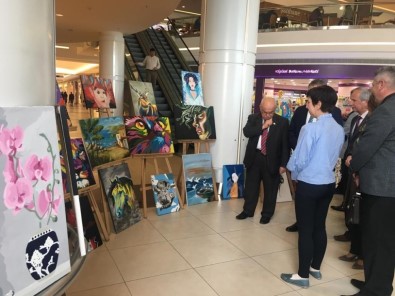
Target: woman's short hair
{"points": [[324, 94]]}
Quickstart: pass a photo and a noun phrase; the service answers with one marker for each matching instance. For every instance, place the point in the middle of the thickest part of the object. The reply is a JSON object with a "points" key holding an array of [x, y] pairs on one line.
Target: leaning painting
{"points": [[165, 194], [98, 92], [143, 98], [34, 249]]}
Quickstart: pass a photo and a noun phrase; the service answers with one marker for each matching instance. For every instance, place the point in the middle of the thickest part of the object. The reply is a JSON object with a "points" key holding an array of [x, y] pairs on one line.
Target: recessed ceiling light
{"points": [[59, 14], [183, 6]]}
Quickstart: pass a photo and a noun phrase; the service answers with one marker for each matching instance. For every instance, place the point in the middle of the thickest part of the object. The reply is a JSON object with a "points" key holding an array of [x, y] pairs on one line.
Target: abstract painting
{"points": [[194, 122], [192, 91], [165, 194], [143, 98], [82, 168], [148, 135], [34, 250], [104, 139], [198, 176], [98, 92], [118, 188], [233, 181]]}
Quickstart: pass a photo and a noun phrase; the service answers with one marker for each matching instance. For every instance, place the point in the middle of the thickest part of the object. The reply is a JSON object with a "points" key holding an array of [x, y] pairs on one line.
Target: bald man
{"points": [[265, 159]]}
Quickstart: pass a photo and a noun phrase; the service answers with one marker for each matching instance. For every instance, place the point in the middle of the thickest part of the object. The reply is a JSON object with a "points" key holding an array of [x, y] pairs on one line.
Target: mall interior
{"points": [[244, 50]]}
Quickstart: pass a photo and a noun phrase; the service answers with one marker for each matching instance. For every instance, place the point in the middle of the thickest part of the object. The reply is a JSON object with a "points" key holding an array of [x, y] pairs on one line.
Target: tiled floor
{"points": [[203, 250]]}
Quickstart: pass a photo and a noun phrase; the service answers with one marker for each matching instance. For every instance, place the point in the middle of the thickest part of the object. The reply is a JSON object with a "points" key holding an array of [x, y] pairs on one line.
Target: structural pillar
{"points": [[227, 64], [27, 53], [112, 59]]}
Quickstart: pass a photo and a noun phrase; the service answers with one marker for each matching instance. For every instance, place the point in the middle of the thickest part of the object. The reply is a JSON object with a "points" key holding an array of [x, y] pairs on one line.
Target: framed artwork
{"points": [[98, 92], [198, 176], [82, 168], [118, 188], [233, 181], [148, 135], [104, 139], [34, 250], [165, 194], [192, 91], [143, 98], [194, 122]]}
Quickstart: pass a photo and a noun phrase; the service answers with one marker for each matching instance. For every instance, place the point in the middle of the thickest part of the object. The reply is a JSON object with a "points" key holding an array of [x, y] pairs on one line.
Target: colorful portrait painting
{"points": [[98, 92], [165, 194], [192, 91], [34, 250], [104, 139], [143, 98], [233, 181], [194, 122], [198, 176], [118, 187], [148, 135], [82, 168]]}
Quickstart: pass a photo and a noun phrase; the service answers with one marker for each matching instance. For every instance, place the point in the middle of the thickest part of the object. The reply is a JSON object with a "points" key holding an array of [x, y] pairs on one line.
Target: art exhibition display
{"points": [[165, 194], [82, 168], [34, 250], [98, 92], [118, 187], [233, 181], [194, 122], [198, 176], [143, 98], [192, 92], [148, 135], [104, 139]]}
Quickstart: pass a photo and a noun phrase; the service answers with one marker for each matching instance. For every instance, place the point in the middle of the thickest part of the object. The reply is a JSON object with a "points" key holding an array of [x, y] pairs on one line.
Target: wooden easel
{"points": [[196, 143], [100, 111]]}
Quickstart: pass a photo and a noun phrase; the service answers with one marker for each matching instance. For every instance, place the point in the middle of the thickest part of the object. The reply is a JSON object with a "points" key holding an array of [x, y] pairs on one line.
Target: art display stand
{"points": [[100, 111], [196, 143], [143, 170]]}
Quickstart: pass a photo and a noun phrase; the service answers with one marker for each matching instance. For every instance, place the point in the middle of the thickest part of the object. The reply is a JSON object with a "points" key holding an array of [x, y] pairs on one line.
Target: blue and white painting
{"points": [[198, 176], [233, 181], [165, 194]]}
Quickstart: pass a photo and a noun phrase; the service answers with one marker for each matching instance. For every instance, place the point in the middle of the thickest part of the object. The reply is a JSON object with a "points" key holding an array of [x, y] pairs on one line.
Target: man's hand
{"points": [[267, 123], [356, 179], [348, 161], [282, 170]]}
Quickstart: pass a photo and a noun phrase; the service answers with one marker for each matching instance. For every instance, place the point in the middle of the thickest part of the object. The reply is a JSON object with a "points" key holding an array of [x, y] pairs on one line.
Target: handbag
{"points": [[353, 208]]}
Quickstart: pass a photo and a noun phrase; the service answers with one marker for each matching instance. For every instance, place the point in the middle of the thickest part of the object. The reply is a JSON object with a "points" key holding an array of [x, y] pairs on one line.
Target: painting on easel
{"points": [[82, 167], [198, 176], [148, 135], [165, 194], [233, 181], [143, 98], [104, 139], [98, 92], [122, 201]]}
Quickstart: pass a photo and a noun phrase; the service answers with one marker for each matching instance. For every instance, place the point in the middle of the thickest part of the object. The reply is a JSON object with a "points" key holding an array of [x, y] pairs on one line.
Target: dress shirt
{"points": [[151, 63], [362, 117], [317, 151]]}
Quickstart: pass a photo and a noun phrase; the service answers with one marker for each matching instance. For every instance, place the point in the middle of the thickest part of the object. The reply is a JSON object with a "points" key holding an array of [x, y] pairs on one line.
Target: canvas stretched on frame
{"points": [[98, 92], [165, 194], [192, 90], [143, 98], [82, 167], [233, 181]]}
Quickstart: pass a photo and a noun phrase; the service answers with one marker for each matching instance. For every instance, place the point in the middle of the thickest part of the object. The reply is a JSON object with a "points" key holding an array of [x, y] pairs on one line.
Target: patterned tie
{"points": [[263, 141], [357, 123]]}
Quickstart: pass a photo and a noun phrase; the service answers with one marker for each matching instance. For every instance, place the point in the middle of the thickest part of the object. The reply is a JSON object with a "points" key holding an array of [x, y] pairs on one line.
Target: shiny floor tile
{"points": [[117, 289]]}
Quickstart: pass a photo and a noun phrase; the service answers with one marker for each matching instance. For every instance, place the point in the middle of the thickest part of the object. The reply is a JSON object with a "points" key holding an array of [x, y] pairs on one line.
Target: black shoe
{"points": [[338, 208], [243, 215], [357, 283], [292, 228], [342, 237], [264, 220]]}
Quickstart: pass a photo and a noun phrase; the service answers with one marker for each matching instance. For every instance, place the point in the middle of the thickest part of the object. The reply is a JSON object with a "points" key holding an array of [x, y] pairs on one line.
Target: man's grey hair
{"points": [[364, 93], [387, 72], [317, 82]]}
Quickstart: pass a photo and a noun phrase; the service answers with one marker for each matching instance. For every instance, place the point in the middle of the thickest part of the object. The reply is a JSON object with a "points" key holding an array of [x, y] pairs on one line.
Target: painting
{"points": [[34, 250], [118, 187], [148, 134], [104, 139], [165, 194], [82, 168], [98, 92], [194, 122], [192, 91], [198, 176], [143, 98], [233, 181]]}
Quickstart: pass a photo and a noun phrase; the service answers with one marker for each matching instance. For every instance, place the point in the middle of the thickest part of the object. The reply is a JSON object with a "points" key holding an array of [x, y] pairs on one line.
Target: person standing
{"points": [[312, 166], [71, 98], [266, 156], [373, 163], [152, 65]]}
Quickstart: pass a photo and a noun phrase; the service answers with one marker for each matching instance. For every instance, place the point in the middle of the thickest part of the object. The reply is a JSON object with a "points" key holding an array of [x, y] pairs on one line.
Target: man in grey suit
{"points": [[373, 164]]}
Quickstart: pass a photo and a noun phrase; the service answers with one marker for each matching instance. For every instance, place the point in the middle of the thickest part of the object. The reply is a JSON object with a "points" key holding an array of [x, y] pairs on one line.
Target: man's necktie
{"points": [[311, 119], [357, 123], [263, 141]]}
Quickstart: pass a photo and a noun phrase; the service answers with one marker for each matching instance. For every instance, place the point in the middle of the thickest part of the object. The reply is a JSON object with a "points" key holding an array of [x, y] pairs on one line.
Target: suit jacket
{"points": [[276, 143], [354, 135], [373, 155], [299, 119]]}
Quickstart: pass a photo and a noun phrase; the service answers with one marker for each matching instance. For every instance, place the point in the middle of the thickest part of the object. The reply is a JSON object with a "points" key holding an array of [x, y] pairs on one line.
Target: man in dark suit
{"points": [[265, 159], [373, 163], [299, 119]]}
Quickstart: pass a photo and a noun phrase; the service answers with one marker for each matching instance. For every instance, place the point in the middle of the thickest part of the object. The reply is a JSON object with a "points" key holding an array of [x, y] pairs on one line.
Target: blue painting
{"points": [[192, 91], [165, 194], [198, 176], [233, 181]]}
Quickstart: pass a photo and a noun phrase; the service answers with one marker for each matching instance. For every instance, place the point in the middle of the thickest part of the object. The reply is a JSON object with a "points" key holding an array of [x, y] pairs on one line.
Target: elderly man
{"points": [[373, 163], [265, 158]]}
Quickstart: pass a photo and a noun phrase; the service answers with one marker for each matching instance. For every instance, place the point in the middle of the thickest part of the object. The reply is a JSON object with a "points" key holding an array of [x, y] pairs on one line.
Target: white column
{"points": [[227, 59], [112, 55], [27, 53]]}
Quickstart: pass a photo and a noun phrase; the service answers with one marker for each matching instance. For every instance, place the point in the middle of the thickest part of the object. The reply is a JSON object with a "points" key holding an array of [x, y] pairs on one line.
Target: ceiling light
{"points": [[59, 14], [183, 6], [186, 12], [62, 47]]}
